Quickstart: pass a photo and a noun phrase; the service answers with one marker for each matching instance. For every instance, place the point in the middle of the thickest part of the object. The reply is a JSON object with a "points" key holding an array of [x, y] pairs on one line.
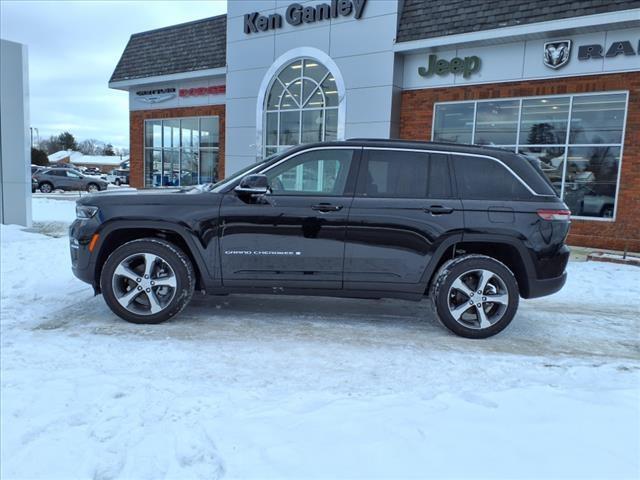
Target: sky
{"points": [[74, 47]]}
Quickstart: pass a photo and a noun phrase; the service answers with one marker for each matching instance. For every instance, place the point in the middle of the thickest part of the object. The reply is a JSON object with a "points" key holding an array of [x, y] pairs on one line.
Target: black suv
{"points": [[474, 228]]}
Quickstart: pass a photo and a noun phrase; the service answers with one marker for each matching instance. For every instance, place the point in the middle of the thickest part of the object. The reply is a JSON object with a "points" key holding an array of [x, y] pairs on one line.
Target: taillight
{"points": [[554, 214]]}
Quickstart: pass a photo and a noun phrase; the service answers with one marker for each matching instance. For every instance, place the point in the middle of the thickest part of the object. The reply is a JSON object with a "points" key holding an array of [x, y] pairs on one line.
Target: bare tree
{"points": [[89, 146]]}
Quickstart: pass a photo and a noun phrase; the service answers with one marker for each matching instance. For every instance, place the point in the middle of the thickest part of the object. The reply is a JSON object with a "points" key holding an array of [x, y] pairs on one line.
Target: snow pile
{"points": [[284, 387]]}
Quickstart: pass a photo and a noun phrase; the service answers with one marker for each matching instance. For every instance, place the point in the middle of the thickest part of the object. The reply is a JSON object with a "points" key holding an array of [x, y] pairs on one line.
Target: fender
{"points": [[425, 281], [523, 252], [203, 255]]}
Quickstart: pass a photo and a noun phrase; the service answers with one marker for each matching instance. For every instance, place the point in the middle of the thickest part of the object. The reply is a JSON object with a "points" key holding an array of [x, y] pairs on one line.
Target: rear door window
{"points": [[404, 174], [481, 178]]}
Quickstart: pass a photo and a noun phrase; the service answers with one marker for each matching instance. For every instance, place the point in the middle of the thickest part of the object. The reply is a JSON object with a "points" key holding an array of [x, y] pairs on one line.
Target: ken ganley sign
{"points": [[297, 14]]}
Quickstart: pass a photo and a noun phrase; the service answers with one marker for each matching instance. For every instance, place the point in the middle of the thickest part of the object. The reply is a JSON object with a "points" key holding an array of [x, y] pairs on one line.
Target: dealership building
{"points": [[558, 81]]}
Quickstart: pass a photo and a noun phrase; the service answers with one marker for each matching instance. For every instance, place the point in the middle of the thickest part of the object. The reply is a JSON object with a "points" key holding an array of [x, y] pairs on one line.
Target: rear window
{"points": [[486, 179], [404, 174]]}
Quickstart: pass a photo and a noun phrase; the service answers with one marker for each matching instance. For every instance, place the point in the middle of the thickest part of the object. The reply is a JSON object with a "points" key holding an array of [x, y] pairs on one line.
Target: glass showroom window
{"points": [[181, 151], [301, 106], [576, 139]]}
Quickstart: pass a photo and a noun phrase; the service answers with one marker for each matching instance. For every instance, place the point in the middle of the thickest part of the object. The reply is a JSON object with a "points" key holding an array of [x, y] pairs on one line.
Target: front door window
{"points": [[319, 172]]}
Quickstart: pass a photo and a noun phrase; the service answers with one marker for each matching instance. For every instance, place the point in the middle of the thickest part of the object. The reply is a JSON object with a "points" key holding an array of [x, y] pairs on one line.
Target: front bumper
{"points": [[82, 261]]}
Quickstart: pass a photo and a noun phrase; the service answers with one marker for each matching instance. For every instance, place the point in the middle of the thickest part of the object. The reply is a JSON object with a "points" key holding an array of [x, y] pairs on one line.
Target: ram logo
{"points": [[557, 54]]}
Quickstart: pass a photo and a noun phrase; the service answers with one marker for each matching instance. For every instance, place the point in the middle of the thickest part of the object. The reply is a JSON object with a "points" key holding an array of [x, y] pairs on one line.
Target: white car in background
{"points": [[118, 177]]}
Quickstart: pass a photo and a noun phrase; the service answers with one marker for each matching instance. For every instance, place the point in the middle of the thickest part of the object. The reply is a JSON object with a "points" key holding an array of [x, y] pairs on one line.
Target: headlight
{"points": [[85, 211]]}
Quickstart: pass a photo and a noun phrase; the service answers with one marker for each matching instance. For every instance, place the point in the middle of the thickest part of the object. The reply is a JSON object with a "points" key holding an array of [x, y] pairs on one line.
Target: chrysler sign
{"points": [[157, 95], [297, 14]]}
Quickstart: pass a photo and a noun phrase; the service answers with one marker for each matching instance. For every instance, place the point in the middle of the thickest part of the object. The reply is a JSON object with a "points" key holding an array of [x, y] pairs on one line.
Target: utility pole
{"points": [[31, 130]]}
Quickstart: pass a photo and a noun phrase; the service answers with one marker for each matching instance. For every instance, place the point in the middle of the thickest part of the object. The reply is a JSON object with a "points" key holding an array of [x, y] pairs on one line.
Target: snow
{"points": [[286, 387], [62, 154], [77, 158], [113, 160]]}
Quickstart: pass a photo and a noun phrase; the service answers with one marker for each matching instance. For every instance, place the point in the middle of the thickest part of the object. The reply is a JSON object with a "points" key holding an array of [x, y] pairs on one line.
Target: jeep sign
{"points": [[467, 66]]}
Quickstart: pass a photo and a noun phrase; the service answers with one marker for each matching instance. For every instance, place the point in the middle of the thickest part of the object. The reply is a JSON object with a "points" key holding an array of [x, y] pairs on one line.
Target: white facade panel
{"points": [[372, 70], [253, 53], [242, 83], [15, 173], [317, 37], [243, 144], [368, 130], [369, 104], [360, 37], [241, 112]]}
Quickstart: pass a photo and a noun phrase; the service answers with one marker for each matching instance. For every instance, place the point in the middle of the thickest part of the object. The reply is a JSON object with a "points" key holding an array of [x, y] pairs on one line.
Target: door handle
{"points": [[438, 210], [326, 207]]}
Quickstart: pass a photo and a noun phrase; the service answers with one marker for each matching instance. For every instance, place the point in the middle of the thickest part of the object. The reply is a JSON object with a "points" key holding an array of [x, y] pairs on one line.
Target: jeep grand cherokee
{"points": [[473, 228]]}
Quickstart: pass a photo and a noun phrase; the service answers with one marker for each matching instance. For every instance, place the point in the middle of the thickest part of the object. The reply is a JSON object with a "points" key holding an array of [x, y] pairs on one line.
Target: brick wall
{"points": [[416, 120], [136, 135]]}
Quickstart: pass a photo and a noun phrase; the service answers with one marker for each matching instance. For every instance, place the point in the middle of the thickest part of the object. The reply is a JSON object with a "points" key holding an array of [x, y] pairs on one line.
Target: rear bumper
{"points": [[543, 287]]}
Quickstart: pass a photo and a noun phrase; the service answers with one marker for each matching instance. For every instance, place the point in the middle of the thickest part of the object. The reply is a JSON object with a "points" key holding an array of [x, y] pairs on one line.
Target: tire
{"points": [[124, 273], [93, 187], [118, 182], [456, 285], [46, 187]]}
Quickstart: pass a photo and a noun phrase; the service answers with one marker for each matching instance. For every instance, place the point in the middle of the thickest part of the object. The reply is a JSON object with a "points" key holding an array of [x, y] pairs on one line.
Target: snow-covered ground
{"points": [[284, 387]]}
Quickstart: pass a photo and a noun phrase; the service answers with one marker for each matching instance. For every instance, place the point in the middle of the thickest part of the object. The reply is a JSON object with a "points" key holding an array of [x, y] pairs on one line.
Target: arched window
{"points": [[301, 106]]}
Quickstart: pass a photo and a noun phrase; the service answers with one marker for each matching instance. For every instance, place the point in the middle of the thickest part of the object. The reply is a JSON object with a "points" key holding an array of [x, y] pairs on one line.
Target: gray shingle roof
{"points": [[180, 48], [436, 18]]}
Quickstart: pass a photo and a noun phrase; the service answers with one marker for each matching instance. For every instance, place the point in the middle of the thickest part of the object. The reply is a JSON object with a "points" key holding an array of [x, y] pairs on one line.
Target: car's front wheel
{"points": [[92, 188], [475, 296], [147, 281], [46, 187]]}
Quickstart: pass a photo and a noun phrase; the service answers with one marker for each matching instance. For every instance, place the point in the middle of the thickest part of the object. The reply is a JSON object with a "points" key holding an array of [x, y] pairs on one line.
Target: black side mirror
{"points": [[253, 185]]}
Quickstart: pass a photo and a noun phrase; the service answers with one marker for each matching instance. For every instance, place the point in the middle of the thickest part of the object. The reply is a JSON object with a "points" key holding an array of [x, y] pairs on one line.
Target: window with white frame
{"points": [[301, 106], [181, 151], [576, 139]]}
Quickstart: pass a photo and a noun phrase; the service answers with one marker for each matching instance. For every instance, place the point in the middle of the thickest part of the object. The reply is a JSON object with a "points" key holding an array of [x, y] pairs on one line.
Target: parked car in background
{"points": [[67, 179], [118, 177]]}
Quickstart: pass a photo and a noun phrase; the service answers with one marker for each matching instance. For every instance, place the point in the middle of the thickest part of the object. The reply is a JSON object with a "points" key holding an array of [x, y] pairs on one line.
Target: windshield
{"points": [[222, 184]]}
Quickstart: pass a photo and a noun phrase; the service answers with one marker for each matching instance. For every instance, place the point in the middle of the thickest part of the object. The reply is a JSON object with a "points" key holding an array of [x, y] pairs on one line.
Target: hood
{"points": [[132, 196]]}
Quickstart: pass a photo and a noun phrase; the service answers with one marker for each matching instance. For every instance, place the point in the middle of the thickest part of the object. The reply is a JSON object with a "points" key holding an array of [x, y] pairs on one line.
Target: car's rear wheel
{"points": [[92, 188], [147, 281], [475, 296], [118, 182], [46, 187]]}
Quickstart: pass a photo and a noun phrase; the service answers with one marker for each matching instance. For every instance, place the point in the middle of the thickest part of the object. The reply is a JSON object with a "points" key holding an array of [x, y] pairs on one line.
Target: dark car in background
{"points": [[474, 228], [52, 179]]}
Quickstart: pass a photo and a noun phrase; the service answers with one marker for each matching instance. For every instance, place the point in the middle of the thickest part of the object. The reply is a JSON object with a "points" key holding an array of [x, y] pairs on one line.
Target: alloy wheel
{"points": [[478, 299], [144, 283], [92, 188]]}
